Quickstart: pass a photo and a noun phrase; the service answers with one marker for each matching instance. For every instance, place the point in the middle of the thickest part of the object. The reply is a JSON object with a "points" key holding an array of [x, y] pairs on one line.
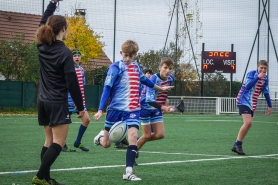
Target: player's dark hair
{"points": [[166, 60], [46, 33], [148, 71], [263, 62]]}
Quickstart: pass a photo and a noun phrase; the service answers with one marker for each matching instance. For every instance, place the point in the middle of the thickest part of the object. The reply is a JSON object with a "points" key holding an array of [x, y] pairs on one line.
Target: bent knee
{"points": [[106, 145], [86, 122], [146, 136], [161, 136]]}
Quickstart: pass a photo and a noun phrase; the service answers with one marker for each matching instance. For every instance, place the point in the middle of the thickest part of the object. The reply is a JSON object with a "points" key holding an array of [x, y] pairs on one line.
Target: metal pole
{"points": [[264, 12], [114, 41], [258, 45], [231, 76], [202, 79], [169, 26], [176, 55], [268, 31], [42, 7], [186, 25]]}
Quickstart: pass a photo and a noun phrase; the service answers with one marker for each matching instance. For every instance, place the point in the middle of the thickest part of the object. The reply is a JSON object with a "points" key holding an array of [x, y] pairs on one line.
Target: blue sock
{"points": [[130, 155], [238, 143], [81, 132]]}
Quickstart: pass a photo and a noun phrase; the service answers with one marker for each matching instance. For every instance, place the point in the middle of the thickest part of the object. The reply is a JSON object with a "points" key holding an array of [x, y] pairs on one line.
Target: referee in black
{"points": [[57, 78]]}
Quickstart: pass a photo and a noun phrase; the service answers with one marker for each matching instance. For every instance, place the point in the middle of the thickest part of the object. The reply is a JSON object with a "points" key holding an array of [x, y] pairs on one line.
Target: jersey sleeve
{"points": [[266, 87], [172, 79], [151, 92], [250, 80], [48, 12], [112, 74]]}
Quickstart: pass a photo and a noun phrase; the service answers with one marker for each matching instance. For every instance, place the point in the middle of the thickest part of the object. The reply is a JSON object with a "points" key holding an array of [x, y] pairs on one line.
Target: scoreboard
{"points": [[218, 62]]}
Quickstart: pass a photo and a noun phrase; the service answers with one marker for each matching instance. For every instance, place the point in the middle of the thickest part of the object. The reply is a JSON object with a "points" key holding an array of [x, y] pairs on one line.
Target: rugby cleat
{"points": [[238, 150], [37, 181], [96, 139], [54, 182], [130, 176], [81, 147]]}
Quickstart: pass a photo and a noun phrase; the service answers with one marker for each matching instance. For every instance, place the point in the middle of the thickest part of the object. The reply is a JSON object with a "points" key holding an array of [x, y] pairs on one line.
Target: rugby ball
{"points": [[117, 132]]}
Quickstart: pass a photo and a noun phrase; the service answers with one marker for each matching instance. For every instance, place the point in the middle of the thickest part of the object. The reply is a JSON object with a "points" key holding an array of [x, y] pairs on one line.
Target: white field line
{"points": [[186, 120], [143, 164], [167, 153], [208, 155]]}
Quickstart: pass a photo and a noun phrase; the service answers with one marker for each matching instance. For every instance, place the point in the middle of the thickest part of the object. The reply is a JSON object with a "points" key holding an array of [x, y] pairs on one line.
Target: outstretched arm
{"points": [[150, 84], [49, 11]]}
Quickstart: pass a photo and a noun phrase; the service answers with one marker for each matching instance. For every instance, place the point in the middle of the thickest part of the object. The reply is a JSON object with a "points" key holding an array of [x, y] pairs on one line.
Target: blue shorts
{"points": [[150, 116], [242, 109], [113, 116]]}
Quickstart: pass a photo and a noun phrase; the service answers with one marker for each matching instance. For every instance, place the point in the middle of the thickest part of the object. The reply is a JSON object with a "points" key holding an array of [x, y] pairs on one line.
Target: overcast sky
{"points": [[146, 21]]}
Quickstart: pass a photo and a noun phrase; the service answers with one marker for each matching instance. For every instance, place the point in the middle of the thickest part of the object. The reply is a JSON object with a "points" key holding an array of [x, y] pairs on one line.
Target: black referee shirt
{"points": [[57, 75]]}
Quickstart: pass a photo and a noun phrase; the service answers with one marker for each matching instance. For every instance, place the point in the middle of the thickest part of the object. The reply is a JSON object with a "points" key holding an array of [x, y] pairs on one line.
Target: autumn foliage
{"points": [[81, 36]]}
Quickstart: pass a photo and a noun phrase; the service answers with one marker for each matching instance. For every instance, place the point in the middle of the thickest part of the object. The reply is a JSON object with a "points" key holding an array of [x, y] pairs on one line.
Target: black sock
{"points": [[130, 155], [48, 159], [44, 149]]}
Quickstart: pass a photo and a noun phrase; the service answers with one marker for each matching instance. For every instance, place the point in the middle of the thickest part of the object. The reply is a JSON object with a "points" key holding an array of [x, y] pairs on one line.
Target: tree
{"points": [[81, 36], [19, 60], [96, 76], [185, 73], [31, 72], [149, 60], [188, 30]]}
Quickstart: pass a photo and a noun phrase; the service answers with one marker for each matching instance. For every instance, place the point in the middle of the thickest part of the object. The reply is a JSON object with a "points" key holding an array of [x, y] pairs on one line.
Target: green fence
{"points": [[92, 96], [23, 94], [17, 94]]}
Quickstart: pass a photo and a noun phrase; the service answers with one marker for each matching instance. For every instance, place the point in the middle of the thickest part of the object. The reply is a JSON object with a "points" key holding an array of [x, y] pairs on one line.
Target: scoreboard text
{"points": [[218, 62]]}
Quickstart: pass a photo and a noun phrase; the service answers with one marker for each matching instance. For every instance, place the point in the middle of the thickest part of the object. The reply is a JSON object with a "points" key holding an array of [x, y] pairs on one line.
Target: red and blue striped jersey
{"points": [[124, 81], [151, 95], [81, 80], [250, 97]]}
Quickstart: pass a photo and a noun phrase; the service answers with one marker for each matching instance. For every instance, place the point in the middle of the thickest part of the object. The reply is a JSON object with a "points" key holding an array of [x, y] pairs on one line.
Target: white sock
{"points": [[128, 169]]}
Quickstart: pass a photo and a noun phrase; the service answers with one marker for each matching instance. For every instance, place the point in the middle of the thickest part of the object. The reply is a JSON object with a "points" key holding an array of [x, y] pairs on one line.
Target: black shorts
{"points": [[53, 114], [242, 109]]}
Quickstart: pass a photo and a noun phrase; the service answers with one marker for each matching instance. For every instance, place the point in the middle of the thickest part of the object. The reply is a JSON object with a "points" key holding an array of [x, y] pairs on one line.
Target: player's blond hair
{"points": [[130, 47]]}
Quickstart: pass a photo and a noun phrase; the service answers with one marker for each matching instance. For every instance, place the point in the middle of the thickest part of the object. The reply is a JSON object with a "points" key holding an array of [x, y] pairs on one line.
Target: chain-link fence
{"points": [[250, 26]]}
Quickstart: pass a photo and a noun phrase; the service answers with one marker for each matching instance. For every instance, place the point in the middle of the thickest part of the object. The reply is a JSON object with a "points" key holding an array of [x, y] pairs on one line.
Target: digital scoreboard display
{"points": [[218, 62]]}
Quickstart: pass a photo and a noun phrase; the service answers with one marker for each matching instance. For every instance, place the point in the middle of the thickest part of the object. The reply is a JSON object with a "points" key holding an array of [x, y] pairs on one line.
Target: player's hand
{"points": [[167, 108], [75, 108], [81, 114], [98, 115], [166, 88], [262, 75], [268, 111]]}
